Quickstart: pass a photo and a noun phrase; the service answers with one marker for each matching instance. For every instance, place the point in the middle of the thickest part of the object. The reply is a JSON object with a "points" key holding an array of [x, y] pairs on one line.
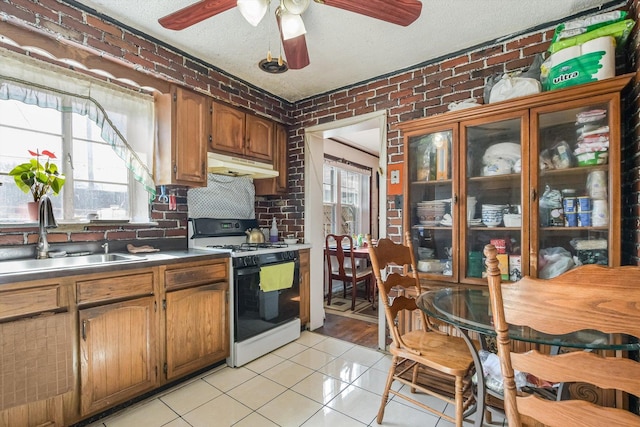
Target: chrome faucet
{"points": [[45, 220], [105, 246]]}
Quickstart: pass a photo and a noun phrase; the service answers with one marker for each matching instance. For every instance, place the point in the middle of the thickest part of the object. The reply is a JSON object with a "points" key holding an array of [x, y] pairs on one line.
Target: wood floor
{"points": [[352, 330]]}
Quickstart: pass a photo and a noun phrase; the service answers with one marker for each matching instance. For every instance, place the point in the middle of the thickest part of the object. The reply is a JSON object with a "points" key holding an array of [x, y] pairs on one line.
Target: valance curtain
{"points": [[127, 118]]}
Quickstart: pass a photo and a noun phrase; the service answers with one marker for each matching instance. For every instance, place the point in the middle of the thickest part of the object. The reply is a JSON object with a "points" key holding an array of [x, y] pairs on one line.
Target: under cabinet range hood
{"points": [[235, 166]]}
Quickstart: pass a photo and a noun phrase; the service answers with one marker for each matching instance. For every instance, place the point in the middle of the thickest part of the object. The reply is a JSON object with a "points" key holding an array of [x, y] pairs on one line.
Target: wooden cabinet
{"points": [[305, 287], [183, 133], [37, 353], [118, 347], [279, 184], [197, 316], [466, 169], [237, 133]]}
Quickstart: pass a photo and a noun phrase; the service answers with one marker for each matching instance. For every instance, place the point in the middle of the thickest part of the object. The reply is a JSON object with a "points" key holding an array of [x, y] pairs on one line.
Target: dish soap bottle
{"points": [[273, 234]]}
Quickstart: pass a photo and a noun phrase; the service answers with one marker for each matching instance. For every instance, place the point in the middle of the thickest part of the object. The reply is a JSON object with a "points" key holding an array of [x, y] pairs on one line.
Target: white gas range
{"points": [[261, 319]]}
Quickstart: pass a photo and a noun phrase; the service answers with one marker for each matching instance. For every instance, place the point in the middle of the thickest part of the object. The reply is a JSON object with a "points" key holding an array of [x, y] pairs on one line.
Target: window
{"points": [[97, 180], [347, 201], [101, 135]]}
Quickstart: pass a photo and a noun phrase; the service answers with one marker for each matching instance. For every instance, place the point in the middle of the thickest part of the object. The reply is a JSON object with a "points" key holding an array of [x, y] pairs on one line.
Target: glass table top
{"points": [[469, 308]]}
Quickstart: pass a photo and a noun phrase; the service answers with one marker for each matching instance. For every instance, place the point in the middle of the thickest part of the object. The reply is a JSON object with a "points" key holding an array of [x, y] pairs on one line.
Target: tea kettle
{"points": [[254, 235]]}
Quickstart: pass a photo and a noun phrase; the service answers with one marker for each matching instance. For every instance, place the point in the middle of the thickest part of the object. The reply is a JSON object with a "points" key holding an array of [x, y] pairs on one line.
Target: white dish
{"points": [[291, 241]]}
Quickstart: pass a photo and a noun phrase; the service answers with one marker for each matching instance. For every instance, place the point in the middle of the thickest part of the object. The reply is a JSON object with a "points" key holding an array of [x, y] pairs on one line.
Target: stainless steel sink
{"points": [[68, 262]]}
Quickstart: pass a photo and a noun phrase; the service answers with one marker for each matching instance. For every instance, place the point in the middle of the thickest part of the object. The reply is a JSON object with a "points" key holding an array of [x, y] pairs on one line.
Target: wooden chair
{"points": [[428, 360], [342, 266], [588, 297]]}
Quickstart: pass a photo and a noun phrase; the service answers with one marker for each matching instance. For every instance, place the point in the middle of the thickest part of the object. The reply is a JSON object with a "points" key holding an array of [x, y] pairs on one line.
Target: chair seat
{"points": [[445, 353], [359, 272]]}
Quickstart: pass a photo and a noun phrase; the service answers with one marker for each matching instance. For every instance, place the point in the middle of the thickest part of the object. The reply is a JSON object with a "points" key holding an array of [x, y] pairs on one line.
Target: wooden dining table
{"points": [[468, 309]]}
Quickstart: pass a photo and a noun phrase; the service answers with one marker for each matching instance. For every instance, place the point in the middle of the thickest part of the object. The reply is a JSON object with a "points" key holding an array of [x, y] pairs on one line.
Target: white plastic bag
{"points": [[514, 87]]}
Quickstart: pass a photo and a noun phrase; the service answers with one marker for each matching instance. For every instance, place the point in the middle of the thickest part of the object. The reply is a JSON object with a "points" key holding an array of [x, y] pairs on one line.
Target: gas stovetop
{"points": [[228, 235], [248, 247]]}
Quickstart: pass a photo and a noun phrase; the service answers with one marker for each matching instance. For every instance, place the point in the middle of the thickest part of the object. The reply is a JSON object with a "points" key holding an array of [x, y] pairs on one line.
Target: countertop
{"points": [[151, 259]]}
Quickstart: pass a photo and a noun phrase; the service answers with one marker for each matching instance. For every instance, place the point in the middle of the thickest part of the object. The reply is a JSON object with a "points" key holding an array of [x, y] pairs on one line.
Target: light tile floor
{"points": [[314, 381]]}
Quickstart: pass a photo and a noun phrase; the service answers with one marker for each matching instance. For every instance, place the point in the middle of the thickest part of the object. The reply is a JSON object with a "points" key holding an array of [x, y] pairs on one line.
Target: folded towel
{"points": [[276, 277]]}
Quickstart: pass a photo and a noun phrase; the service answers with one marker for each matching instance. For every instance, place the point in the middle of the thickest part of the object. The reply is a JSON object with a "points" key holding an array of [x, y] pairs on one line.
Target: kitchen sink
{"points": [[68, 262]]}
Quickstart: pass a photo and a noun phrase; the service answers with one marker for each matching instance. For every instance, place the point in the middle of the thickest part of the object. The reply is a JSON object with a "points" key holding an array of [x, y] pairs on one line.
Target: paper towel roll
{"points": [[607, 63], [565, 55]]}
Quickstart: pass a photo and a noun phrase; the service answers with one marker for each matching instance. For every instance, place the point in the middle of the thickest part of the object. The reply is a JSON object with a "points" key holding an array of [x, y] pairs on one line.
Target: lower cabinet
{"points": [[196, 316], [36, 353], [305, 287], [197, 328], [76, 346], [117, 353]]}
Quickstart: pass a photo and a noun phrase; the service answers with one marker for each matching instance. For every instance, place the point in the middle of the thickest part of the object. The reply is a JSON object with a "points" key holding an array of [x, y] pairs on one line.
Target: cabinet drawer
{"points": [[30, 301], [115, 287], [196, 275]]}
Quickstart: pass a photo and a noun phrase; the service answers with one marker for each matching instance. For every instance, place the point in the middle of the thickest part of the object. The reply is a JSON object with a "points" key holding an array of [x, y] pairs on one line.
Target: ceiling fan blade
{"points": [[295, 50], [400, 12], [195, 13]]}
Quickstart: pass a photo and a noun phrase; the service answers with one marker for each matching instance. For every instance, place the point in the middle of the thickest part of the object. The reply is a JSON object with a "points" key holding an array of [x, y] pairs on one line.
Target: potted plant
{"points": [[38, 178]]}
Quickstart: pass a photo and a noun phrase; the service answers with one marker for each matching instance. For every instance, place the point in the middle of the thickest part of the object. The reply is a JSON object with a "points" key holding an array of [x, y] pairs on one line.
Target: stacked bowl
{"points": [[431, 213], [492, 214]]}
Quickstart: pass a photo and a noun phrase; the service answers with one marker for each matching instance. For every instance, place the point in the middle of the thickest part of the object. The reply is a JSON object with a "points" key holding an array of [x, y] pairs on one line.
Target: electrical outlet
{"points": [[395, 177], [398, 202]]}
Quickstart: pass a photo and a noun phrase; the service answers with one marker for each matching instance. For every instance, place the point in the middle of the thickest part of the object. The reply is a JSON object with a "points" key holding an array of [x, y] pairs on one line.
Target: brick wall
{"points": [[423, 91]]}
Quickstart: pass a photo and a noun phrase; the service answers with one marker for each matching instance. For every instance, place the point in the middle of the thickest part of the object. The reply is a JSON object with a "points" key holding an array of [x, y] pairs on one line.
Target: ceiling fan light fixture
{"points": [[297, 7], [292, 25], [253, 10], [272, 66]]}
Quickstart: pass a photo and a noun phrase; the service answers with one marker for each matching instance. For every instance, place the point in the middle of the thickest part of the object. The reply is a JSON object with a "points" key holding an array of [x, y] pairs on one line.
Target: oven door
{"points": [[255, 311]]}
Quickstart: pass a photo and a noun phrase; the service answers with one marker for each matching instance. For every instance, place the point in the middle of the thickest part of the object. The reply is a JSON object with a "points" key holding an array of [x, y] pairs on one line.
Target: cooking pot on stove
{"points": [[254, 235]]}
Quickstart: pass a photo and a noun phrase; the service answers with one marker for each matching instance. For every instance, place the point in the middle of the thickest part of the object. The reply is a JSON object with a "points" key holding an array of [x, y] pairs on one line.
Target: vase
{"points": [[32, 208]]}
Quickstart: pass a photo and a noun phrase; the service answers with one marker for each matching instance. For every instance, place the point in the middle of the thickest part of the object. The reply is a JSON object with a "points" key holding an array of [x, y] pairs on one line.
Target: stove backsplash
{"points": [[223, 197]]}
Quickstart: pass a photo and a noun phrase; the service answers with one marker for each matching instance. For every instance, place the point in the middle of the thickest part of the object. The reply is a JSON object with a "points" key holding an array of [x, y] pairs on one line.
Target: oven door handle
{"points": [[247, 270]]}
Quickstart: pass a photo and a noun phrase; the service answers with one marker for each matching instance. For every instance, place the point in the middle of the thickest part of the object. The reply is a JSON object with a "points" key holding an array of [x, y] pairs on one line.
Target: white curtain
{"points": [[127, 118]]}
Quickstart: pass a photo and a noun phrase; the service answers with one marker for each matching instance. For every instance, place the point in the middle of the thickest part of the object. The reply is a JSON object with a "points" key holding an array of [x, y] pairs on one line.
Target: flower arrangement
{"points": [[38, 178]]}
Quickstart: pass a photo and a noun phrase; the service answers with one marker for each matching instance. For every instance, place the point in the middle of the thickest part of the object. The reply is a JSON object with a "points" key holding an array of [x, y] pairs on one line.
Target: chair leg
{"points": [[330, 291], [387, 387], [354, 291], [459, 398]]}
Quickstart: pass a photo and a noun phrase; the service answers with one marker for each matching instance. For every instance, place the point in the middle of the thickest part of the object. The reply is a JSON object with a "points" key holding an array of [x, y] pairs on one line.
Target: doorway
{"points": [[315, 137]]}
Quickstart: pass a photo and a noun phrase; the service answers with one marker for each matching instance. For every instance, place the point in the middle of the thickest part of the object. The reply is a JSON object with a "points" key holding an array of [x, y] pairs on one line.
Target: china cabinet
{"points": [[537, 176]]}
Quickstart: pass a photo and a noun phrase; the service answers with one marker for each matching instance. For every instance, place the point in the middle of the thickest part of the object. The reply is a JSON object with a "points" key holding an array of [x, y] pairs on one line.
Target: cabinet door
{"points": [[305, 287], [575, 166], [493, 208], [278, 185], [227, 130], [197, 328], [191, 135], [259, 138], [432, 201], [117, 353]]}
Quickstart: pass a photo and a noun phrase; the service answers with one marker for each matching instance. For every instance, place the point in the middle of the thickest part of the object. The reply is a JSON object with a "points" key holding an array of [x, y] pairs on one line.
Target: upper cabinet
{"points": [[183, 132], [538, 176], [242, 134], [277, 185]]}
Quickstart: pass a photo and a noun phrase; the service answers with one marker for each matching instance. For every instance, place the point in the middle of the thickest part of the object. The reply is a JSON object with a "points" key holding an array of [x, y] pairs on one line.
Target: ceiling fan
{"points": [[292, 31]]}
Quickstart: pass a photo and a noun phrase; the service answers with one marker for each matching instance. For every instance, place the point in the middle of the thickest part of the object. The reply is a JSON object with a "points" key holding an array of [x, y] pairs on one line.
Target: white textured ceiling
{"points": [[344, 48]]}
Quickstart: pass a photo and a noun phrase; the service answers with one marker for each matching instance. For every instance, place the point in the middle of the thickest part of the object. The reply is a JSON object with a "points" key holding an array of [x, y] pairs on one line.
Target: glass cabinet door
{"points": [[573, 150], [432, 217], [492, 207]]}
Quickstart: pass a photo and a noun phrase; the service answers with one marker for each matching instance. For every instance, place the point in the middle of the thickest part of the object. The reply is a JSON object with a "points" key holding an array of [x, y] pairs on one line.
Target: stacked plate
{"points": [[431, 212]]}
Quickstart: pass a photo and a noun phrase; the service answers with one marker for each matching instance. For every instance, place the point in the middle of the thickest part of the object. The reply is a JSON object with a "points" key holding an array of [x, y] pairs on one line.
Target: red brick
{"points": [[86, 237], [11, 239], [104, 26]]}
